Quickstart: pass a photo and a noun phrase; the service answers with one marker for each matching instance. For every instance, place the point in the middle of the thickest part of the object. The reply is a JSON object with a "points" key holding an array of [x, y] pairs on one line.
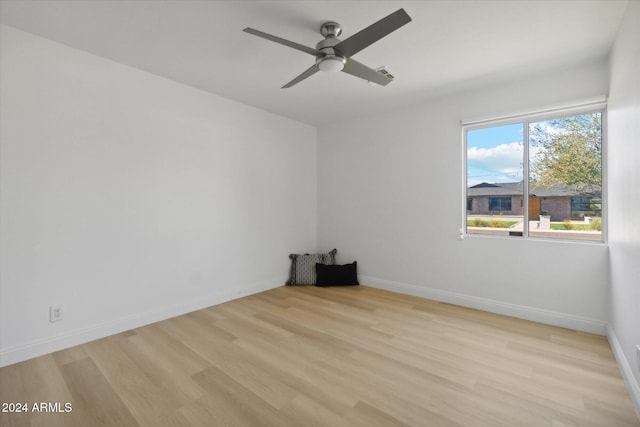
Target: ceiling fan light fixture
{"points": [[331, 63]]}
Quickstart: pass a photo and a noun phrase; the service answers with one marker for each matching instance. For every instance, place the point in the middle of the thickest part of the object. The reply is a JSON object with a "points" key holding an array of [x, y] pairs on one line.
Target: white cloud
{"points": [[503, 158], [502, 163]]}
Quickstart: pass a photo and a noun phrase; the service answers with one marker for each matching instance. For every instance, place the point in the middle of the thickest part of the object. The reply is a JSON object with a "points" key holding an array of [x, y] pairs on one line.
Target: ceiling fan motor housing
{"points": [[329, 59]]}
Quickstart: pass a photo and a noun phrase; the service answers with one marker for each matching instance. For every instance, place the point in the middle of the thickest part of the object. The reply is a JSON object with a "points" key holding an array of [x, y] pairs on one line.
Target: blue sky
{"points": [[495, 154]]}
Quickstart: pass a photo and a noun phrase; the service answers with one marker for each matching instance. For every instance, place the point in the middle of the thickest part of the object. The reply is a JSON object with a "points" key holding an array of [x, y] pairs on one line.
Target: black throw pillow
{"points": [[337, 275]]}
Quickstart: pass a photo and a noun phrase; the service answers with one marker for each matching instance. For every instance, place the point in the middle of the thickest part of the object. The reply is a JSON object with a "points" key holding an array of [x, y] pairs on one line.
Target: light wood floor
{"points": [[306, 356]]}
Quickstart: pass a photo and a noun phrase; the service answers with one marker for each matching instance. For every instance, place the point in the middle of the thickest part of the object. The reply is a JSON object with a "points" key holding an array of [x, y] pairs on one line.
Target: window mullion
{"points": [[525, 179]]}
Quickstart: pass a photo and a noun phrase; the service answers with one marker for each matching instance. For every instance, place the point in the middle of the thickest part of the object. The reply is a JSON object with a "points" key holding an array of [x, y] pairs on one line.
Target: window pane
{"points": [[500, 203], [565, 179], [494, 180]]}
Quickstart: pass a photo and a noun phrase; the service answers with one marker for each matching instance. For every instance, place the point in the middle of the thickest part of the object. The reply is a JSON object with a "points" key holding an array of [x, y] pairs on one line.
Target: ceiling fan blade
{"points": [[280, 40], [359, 70], [307, 73], [373, 33]]}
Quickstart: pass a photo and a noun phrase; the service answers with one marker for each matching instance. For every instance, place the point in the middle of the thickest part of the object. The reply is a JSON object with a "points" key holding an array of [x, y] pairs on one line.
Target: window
{"points": [[539, 176], [585, 206], [499, 203]]}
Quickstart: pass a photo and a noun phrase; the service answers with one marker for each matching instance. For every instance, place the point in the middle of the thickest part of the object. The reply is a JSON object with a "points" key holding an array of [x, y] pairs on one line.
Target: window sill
{"points": [[568, 236]]}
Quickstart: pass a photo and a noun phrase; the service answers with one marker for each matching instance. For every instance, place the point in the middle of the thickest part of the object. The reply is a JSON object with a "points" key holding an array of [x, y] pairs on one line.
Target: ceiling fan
{"points": [[335, 55]]}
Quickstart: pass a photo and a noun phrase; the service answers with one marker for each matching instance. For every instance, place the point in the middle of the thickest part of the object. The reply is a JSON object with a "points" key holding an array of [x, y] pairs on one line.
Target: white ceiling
{"points": [[449, 46]]}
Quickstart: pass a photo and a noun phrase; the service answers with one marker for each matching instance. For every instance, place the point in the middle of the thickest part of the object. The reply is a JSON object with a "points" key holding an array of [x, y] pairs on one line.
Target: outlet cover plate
{"points": [[55, 313]]}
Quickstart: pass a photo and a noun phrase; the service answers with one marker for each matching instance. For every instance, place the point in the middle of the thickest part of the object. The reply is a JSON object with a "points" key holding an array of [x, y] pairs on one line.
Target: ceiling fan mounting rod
{"points": [[331, 29]]}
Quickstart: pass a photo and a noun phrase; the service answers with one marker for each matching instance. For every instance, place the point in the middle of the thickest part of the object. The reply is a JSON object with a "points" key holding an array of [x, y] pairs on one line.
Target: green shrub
{"points": [[596, 224], [495, 223], [477, 222], [568, 225]]}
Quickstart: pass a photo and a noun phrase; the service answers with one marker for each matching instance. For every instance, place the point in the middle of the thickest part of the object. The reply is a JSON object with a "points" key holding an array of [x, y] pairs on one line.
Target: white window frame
{"points": [[588, 106]]}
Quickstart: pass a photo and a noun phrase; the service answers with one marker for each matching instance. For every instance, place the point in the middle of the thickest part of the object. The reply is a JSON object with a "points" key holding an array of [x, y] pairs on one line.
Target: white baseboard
{"points": [[548, 317], [625, 367], [47, 345]]}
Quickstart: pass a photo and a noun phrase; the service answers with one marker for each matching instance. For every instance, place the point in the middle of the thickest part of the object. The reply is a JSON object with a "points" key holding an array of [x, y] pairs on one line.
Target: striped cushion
{"points": [[303, 267]]}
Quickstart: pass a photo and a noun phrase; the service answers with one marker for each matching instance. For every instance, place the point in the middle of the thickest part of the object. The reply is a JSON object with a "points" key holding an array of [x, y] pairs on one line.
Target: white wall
{"points": [[390, 195], [624, 195], [129, 198]]}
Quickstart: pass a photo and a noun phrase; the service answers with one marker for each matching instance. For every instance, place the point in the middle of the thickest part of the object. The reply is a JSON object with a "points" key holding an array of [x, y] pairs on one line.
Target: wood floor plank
{"points": [[300, 379], [177, 357], [12, 390], [149, 404], [376, 393], [342, 356], [312, 411], [229, 403], [95, 402], [166, 373], [364, 415], [250, 372]]}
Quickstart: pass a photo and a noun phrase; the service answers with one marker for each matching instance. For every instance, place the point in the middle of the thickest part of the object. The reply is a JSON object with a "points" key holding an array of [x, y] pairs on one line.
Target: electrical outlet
{"points": [[55, 313]]}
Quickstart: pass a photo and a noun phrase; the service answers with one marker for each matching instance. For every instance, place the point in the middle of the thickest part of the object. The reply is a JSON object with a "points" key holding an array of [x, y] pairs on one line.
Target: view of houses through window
{"points": [[560, 159]]}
